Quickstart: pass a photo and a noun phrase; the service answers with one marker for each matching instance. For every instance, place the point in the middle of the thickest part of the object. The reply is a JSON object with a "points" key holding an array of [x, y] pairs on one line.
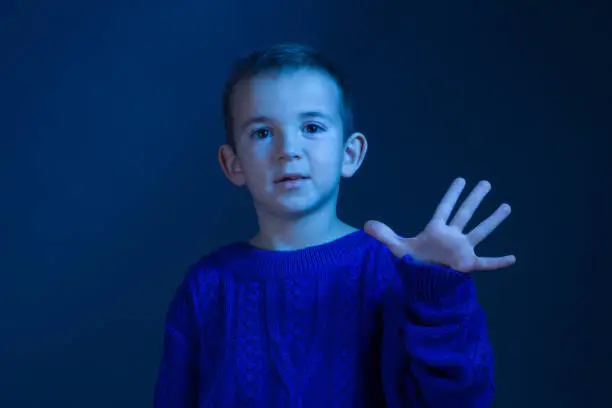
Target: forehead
{"points": [[285, 95]]}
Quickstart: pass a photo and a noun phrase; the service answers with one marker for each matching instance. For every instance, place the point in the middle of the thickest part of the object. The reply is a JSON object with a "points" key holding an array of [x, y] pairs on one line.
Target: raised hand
{"points": [[443, 242]]}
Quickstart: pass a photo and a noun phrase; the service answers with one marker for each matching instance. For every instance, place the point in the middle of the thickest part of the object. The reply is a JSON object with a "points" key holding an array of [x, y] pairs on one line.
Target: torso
{"points": [[280, 341]]}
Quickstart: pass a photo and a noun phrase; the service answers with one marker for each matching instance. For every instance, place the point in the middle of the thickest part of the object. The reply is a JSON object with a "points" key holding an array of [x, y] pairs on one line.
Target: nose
{"points": [[288, 146]]}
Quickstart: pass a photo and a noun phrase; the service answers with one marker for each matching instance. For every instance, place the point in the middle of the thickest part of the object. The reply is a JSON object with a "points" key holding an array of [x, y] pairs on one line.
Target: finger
{"points": [[444, 209], [489, 264], [471, 203], [482, 230], [382, 233]]}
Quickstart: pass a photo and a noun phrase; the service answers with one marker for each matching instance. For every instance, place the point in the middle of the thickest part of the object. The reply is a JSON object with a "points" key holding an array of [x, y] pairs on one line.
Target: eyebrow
{"points": [[256, 119], [303, 115], [314, 114]]}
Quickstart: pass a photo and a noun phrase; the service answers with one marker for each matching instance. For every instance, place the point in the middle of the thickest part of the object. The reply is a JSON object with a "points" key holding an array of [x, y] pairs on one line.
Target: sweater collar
{"points": [[245, 259]]}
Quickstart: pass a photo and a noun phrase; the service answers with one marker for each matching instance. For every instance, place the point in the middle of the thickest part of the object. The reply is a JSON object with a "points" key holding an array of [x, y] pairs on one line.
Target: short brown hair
{"points": [[279, 58]]}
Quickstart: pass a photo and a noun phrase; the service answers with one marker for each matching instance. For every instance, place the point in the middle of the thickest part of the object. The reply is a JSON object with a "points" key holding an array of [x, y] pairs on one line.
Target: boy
{"points": [[312, 312]]}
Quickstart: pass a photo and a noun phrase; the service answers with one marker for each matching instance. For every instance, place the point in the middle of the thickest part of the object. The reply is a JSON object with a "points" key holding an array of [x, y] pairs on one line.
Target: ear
{"points": [[355, 150], [230, 164]]}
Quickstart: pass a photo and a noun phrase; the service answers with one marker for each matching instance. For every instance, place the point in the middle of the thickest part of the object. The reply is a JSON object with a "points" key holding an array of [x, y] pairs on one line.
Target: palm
{"points": [[442, 244], [443, 241]]}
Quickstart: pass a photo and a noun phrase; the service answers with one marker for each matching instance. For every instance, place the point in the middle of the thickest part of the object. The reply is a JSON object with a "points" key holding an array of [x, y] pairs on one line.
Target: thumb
{"points": [[385, 235]]}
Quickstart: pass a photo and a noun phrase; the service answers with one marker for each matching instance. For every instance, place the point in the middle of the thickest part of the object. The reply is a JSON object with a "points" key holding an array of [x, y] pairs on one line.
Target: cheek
{"points": [[329, 154], [327, 166], [255, 173], [254, 170], [255, 158]]}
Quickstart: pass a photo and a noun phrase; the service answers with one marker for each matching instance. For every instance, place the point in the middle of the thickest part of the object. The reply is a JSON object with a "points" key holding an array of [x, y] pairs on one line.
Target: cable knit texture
{"points": [[343, 324]]}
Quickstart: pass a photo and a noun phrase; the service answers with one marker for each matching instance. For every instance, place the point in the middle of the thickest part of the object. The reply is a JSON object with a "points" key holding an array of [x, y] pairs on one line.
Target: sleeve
{"points": [[177, 378], [436, 350]]}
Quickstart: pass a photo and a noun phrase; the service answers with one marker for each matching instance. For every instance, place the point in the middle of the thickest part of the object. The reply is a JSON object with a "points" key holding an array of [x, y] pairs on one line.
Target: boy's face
{"points": [[290, 124]]}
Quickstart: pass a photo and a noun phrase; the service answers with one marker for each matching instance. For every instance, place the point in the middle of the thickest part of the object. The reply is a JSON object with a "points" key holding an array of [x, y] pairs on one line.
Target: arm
{"points": [[176, 385], [436, 343], [436, 350]]}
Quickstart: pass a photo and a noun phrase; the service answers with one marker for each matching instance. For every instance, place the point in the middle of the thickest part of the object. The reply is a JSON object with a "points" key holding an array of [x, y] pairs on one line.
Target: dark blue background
{"points": [[110, 187]]}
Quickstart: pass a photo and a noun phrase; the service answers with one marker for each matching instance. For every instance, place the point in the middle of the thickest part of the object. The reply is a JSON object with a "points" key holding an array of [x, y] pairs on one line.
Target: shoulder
{"points": [[202, 283], [195, 297], [380, 265], [204, 277]]}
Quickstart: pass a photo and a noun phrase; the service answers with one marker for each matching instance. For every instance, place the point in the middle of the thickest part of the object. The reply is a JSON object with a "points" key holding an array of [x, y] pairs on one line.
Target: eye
{"points": [[312, 128], [261, 133]]}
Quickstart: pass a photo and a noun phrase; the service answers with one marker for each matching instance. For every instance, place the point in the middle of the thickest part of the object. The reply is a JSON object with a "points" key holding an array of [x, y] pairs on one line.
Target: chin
{"points": [[296, 207]]}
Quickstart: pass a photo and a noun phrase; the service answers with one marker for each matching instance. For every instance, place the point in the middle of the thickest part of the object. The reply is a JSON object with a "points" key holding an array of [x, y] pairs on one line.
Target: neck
{"points": [[282, 233]]}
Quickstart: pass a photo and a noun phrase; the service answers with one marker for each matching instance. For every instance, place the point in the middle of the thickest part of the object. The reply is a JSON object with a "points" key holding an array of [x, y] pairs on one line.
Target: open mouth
{"points": [[291, 177]]}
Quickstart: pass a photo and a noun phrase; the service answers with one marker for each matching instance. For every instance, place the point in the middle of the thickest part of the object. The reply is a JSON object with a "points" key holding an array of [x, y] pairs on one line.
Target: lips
{"points": [[291, 177]]}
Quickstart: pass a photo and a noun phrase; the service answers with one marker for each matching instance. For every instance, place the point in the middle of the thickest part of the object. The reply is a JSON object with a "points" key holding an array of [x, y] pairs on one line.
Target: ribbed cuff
{"points": [[433, 283]]}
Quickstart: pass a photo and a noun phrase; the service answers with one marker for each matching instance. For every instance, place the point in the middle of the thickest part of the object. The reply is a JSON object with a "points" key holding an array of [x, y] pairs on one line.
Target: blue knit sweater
{"points": [[343, 324]]}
